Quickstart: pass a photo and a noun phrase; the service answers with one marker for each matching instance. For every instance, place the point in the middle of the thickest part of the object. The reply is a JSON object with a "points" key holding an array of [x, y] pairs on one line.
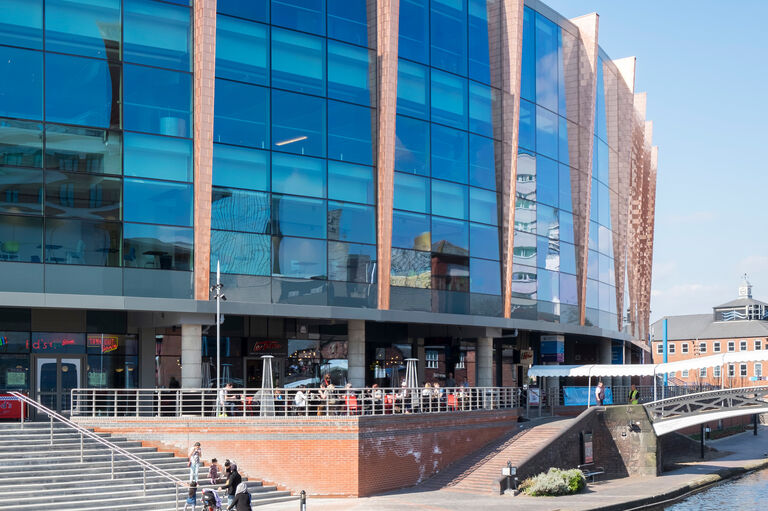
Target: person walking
{"points": [[634, 395], [600, 393], [233, 480], [192, 497], [195, 455], [242, 500]]}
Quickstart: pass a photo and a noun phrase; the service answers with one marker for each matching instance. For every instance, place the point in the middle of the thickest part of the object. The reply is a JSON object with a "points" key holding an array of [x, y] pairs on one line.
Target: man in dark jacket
{"points": [[242, 500], [233, 480]]}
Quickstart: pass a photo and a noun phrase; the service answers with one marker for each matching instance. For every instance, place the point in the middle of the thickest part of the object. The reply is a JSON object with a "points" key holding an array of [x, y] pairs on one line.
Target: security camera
{"points": [[223, 298]]}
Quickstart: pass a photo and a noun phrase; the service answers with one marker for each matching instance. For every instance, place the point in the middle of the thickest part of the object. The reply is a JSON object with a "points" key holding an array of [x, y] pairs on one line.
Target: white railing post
{"points": [[81, 447], [51, 417], [112, 464], [114, 403], [144, 479], [138, 400]]}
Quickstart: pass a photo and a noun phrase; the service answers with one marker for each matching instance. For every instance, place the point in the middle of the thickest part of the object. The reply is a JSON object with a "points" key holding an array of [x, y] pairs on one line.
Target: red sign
{"points": [[108, 342], [270, 347], [10, 407]]}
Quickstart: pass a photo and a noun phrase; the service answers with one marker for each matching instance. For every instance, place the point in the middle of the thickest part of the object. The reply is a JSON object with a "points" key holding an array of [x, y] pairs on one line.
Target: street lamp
{"points": [[219, 297]]}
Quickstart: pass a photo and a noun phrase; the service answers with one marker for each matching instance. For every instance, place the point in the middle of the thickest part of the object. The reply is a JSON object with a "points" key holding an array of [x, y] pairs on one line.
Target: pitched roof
{"points": [[741, 302], [703, 326]]}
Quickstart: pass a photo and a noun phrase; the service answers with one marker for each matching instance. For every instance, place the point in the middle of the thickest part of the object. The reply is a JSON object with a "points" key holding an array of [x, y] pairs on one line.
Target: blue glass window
{"points": [[449, 99], [526, 176], [528, 73], [82, 242], [527, 125], [164, 108], [300, 258], [351, 73], [83, 149], [548, 286], [241, 114], [546, 63], [298, 175], [353, 183], [594, 206], [593, 229], [604, 213], [605, 241], [348, 21], [298, 123], [449, 199], [240, 210], [481, 99], [351, 222], [546, 221], [241, 50], [412, 89], [479, 57], [484, 277], [564, 153], [257, 10], [449, 154], [157, 202], [157, 34], [603, 161], [238, 167], [21, 23], [600, 121], [484, 241], [21, 143], [158, 246], [304, 15], [240, 253], [482, 171], [350, 133], [524, 281], [410, 230], [593, 295], [158, 157], [525, 215], [414, 30], [22, 96], [592, 265], [546, 133], [21, 192], [450, 236], [567, 258], [525, 248], [411, 193], [568, 289], [21, 238], [547, 253], [82, 196], [546, 181], [448, 20], [351, 263], [450, 273], [412, 146], [606, 294], [90, 28], [82, 91], [566, 226], [298, 62], [411, 268], [564, 187], [482, 206], [298, 216]]}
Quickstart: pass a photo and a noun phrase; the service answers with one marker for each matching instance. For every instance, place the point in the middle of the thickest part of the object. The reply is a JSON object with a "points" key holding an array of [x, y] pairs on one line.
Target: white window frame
{"points": [[731, 345], [684, 347], [671, 348], [432, 359], [743, 370], [731, 370], [660, 348], [716, 347], [684, 373], [702, 347], [758, 344], [743, 346], [758, 369], [716, 371], [702, 372]]}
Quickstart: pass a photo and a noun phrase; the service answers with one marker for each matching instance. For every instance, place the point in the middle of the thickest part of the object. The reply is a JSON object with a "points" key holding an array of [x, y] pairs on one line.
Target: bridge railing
{"points": [[707, 402]]}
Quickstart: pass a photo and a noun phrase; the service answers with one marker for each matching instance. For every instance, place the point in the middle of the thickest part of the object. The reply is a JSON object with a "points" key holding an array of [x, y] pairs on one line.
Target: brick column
{"points": [[191, 356], [356, 352], [485, 361]]}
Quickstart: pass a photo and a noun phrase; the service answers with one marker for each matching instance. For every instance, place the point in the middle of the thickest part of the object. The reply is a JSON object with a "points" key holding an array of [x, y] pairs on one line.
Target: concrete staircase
{"points": [[39, 475], [480, 471]]}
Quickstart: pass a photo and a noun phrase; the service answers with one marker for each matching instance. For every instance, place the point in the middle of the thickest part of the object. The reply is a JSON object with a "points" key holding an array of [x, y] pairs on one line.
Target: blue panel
{"points": [[353, 183], [157, 246], [449, 200], [351, 73], [82, 196], [351, 263], [604, 211], [298, 216], [594, 207], [239, 167], [605, 241], [484, 276], [83, 27], [299, 258], [21, 143], [298, 175], [21, 191], [412, 146], [450, 236], [348, 21], [157, 202], [547, 253], [546, 181], [240, 253], [564, 153], [157, 34], [482, 171], [548, 286], [593, 294], [83, 149], [22, 96], [157, 101], [158, 157], [257, 10], [241, 114], [304, 15], [448, 20], [481, 99], [564, 187], [411, 193], [568, 289], [527, 126], [566, 226], [410, 230], [350, 133], [242, 50], [567, 258], [546, 63], [546, 222], [528, 72], [21, 238], [298, 123], [479, 58], [546, 133], [82, 242], [412, 89], [592, 265], [484, 241], [21, 23], [600, 121], [482, 206], [351, 222], [413, 40], [298, 62], [240, 210], [603, 161], [449, 154], [449, 99]]}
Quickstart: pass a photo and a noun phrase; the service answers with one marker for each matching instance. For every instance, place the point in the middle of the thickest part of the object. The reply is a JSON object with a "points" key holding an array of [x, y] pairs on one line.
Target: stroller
{"points": [[210, 500]]}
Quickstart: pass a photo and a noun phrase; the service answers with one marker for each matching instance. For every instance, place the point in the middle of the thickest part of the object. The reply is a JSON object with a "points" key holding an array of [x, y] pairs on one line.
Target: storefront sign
{"points": [[107, 343], [526, 358], [552, 348], [270, 347], [57, 343], [15, 378]]}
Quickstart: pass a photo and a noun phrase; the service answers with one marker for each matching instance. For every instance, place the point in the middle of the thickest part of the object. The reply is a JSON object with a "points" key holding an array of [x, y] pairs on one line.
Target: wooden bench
{"points": [[591, 471]]}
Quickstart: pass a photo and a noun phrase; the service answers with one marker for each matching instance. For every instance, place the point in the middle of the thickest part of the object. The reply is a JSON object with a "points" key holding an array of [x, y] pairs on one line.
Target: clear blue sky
{"points": [[703, 65]]}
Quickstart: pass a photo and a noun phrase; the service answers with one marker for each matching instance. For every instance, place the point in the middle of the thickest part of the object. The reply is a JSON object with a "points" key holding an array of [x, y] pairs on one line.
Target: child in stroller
{"points": [[210, 499]]}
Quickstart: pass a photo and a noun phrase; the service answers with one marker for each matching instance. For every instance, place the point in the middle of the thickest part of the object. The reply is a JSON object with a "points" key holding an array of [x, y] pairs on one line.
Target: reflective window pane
{"points": [[21, 23], [525, 215], [479, 58], [546, 181], [298, 62], [449, 154], [528, 74], [240, 253], [257, 10], [564, 187], [449, 99], [351, 222], [567, 258], [593, 265], [82, 196], [605, 241], [527, 126], [526, 176], [547, 253], [563, 151], [158, 157], [304, 15], [299, 258], [481, 99], [348, 21], [484, 241], [484, 277], [21, 191], [546, 63], [450, 273], [238, 167], [164, 108], [546, 133], [21, 143], [22, 96], [241, 50], [351, 73], [411, 269], [548, 286], [83, 27], [83, 149], [566, 226], [412, 89], [411, 230], [82, 242], [414, 30], [351, 263], [448, 19], [411, 193], [240, 210], [450, 236], [412, 146], [482, 206], [241, 114], [298, 175], [298, 123], [449, 200], [21, 239], [524, 281], [157, 34], [482, 171], [298, 216], [157, 202], [525, 248], [546, 222], [157, 246], [350, 133], [353, 183], [568, 290]]}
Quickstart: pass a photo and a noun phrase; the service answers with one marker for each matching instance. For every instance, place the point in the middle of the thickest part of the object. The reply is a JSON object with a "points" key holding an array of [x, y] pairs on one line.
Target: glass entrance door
{"points": [[55, 377]]}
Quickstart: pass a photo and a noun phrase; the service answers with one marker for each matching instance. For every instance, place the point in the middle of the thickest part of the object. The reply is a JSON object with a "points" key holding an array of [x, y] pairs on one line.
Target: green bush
{"points": [[554, 482]]}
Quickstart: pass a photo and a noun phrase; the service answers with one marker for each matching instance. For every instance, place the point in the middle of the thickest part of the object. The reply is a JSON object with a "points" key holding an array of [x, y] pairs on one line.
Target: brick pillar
{"points": [[485, 361], [191, 356], [356, 352]]}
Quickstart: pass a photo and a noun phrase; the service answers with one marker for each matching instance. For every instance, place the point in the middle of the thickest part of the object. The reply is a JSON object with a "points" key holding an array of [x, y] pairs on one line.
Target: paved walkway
{"points": [[747, 452]]}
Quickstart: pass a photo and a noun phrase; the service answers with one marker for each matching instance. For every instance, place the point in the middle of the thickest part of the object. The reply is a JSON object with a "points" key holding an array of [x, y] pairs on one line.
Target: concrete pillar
{"points": [[356, 352], [421, 365], [485, 361], [147, 358], [605, 358], [191, 356]]}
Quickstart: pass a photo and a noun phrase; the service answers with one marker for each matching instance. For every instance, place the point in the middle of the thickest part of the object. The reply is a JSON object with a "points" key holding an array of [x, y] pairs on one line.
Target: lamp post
{"points": [[219, 297]]}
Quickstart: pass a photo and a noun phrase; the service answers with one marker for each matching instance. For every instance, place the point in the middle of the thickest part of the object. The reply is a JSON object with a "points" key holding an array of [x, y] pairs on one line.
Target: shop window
{"points": [[432, 357]]}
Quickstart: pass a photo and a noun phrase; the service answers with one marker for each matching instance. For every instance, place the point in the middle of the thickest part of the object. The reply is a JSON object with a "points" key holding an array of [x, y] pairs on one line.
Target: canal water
{"points": [[743, 494]]}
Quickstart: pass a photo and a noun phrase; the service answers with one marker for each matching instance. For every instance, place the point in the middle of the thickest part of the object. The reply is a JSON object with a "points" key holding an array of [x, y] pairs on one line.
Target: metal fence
{"points": [[246, 402]]}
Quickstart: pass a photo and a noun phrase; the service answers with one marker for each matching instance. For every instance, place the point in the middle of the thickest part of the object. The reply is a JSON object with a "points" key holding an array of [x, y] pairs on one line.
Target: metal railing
{"points": [[114, 449], [244, 402]]}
